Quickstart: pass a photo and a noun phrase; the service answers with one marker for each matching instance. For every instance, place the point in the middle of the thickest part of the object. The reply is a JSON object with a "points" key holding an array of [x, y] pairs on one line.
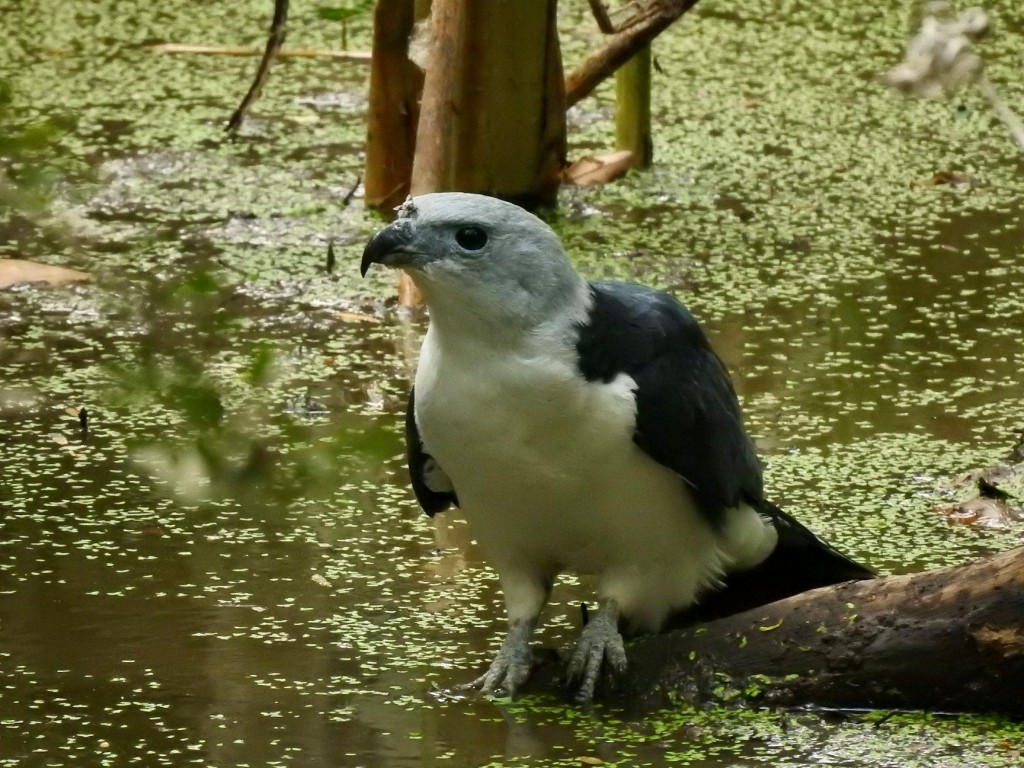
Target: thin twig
{"points": [[331, 260], [347, 199], [1007, 115], [274, 42], [237, 50], [604, 21]]}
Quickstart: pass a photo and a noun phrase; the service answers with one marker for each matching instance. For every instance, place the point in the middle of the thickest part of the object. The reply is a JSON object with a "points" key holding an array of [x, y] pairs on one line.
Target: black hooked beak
{"points": [[390, 247]]}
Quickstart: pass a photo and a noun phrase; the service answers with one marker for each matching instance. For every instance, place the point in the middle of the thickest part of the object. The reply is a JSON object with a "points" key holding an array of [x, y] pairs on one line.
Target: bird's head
{"points": [[478, 257]]}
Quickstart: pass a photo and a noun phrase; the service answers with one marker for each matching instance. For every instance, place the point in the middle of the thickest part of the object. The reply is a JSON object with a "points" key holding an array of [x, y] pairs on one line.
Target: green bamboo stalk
{"points": [[633, 108]]}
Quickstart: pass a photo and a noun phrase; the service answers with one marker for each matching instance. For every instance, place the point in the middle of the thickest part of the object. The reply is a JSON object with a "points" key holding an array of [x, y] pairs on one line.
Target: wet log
{"points": [[950, 639]]}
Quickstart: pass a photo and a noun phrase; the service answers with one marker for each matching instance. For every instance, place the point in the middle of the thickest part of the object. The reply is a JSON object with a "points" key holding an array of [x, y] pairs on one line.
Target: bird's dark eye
{"points": [[471, 238]]}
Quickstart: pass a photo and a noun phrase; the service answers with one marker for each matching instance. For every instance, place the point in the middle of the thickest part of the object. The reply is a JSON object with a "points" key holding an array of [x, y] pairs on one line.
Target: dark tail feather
{"points": [[801, 561]]}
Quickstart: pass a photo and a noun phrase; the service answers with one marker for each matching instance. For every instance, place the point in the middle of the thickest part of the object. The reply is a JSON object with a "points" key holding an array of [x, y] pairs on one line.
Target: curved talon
{"points": [[473, 685], [503, 678], [511, 667]]}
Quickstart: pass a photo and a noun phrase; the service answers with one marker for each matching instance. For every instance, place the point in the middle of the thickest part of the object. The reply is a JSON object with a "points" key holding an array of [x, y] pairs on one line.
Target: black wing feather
{"points": [[418, 460], [688, 417]]}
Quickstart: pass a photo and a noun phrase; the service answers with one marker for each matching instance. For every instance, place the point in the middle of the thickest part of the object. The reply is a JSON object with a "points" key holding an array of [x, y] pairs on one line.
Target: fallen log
{"points": [[950, 640]]}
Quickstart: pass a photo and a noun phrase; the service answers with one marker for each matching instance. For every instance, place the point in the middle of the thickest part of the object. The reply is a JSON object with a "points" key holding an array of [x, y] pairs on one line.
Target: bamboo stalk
{"points": [[633, 108]]}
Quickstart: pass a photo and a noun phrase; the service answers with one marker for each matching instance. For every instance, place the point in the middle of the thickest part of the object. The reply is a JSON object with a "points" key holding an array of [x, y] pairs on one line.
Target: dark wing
{"points": [[431, 485], [688, 417]]}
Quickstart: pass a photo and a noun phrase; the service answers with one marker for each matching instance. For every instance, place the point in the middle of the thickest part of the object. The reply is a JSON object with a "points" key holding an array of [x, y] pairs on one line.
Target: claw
{"points": [[599, 643], [511, 667], [503, 678]]}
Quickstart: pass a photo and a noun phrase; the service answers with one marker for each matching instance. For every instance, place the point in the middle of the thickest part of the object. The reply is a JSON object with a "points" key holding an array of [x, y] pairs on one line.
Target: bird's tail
{"points": [[800, 562]]}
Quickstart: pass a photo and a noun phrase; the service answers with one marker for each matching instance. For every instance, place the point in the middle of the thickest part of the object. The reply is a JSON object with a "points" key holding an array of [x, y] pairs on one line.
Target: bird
{"points": [[582, 427]]}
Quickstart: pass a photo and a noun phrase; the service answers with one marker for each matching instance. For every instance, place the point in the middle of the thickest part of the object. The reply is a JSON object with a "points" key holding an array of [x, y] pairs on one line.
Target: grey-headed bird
{"points": [[585, 427]]}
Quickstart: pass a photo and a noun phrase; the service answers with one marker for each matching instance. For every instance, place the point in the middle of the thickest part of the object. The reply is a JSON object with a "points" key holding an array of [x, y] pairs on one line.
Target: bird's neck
{"points": [[455, 325], [462, 319]]}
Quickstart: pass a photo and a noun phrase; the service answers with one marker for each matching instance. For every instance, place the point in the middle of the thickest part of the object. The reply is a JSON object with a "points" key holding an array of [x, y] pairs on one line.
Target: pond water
{"points": [[165, 599]]}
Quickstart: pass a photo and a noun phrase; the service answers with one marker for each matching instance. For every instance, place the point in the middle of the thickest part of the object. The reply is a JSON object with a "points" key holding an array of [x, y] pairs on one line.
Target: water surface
{"points": [[872, 324]]}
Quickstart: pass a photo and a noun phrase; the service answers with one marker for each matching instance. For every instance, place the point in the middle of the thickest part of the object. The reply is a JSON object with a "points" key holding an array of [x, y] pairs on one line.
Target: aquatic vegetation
{"points": [[872, 325]]}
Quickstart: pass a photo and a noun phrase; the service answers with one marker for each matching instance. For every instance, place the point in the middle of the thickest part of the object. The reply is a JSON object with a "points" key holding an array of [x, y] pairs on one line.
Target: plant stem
{"points": [[1007, 115]]}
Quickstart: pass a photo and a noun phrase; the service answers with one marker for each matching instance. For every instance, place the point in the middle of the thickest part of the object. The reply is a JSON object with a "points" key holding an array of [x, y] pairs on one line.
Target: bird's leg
{"points": [[600, 641], [513, 663], [525, 596]]}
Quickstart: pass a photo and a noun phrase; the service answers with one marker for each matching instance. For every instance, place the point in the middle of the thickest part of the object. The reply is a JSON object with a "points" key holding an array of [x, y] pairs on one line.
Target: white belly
{"points": [[549, 478]]}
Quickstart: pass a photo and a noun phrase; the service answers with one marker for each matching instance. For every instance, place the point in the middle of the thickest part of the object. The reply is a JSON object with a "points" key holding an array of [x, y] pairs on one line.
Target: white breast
{"points": [[549, 478]]}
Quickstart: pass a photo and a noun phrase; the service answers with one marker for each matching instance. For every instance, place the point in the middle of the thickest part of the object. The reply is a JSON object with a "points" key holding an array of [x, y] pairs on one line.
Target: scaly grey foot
{"points": [[599, 642], [511, 667]]}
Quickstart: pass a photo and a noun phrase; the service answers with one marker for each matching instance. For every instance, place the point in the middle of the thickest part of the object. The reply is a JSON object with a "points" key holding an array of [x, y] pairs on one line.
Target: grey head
{"points": [[479, 260]]}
